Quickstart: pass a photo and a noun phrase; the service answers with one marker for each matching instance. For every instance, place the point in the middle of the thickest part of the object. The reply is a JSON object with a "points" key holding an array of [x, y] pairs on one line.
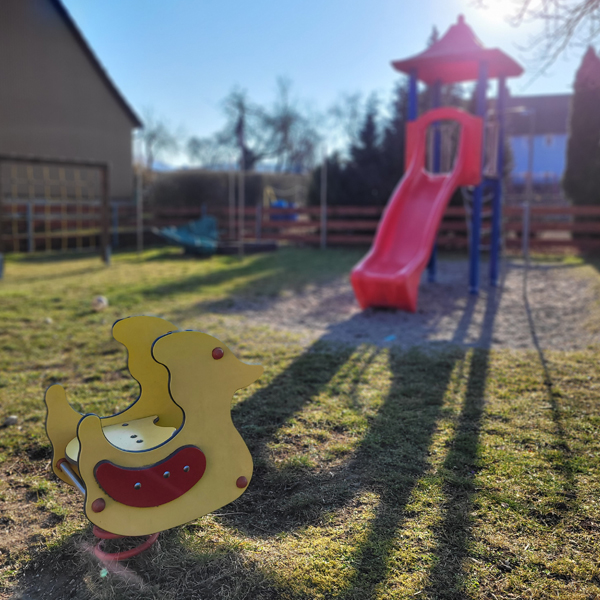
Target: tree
{"points": [[565, 23], [582, 175], [294, 138], [344, 120], [244, 129], [364, 169], [156, 138], [206, 152], [282, 133], [393, 143], [367, 172]]}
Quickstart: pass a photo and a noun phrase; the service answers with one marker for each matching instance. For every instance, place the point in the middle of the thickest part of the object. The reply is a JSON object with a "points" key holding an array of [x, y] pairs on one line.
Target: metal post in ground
{"points": [[478, 194], [242, 207], [105, 218], [529, 191], [231, 190], [525, 233], [30, 241], [115, 225], [258, 220], [139, 206], [497, 201], [324, 201]]}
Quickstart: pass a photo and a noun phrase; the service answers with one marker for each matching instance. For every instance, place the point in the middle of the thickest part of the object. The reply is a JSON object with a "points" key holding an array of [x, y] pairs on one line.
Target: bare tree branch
{"points": [[565, 23], [156, 138]]}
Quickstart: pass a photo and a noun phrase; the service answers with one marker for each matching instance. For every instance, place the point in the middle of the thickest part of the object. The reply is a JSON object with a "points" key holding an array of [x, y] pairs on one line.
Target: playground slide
{"points": [[389, 274]]}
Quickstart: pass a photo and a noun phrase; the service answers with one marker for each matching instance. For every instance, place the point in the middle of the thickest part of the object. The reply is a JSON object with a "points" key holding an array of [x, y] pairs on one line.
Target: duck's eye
{"points": [[218, 353]]}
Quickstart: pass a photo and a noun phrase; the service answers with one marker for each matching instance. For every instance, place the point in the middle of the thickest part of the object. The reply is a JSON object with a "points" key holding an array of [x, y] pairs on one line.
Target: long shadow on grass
{"points": [[458, 469], [387, 463], [562, 458], [271, 273], [389, 460]]}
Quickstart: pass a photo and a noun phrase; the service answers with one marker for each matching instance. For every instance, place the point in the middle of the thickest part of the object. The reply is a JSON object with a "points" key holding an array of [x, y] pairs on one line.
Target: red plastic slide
{"points": [[389, 275]]}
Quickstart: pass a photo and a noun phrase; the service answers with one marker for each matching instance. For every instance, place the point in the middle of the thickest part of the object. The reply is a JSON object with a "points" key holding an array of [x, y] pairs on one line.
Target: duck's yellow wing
{"points": [[138, 334]]}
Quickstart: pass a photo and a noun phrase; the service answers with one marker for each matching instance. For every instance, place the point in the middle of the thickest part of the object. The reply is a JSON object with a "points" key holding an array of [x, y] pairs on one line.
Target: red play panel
{"points": [[156, 484]]}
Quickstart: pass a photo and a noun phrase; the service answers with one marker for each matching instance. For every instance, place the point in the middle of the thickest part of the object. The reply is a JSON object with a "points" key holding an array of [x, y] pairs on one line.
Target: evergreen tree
{"points": [[364, 168], [582, 175], [393, 142]]}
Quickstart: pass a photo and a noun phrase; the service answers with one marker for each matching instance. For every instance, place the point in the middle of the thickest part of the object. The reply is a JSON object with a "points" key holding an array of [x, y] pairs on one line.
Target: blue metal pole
{"points": [[413, 99], [478, 194], [497, 202], [436, 101]]}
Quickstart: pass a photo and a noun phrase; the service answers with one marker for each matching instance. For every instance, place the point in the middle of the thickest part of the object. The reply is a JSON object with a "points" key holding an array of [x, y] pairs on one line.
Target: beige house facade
{"points": [[56, 100]]}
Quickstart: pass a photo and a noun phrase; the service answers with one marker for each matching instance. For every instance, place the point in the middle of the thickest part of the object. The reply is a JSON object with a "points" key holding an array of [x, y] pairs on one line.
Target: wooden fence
{"points": [[41, 225], [550, 228], [33, 225]]}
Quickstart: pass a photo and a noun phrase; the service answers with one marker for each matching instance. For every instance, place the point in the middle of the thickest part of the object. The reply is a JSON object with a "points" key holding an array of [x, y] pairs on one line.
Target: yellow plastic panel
{"points": [[137, 334], [203, 387], [61, 425], [133, 436]]}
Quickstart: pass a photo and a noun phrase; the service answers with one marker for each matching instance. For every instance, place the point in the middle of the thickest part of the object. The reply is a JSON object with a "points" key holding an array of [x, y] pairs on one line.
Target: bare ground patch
{"points": [[564, 303]]}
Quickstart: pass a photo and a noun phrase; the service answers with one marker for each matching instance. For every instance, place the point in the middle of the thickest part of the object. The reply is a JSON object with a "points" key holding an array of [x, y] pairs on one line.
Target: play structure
{"points": [[171, 456], [404, 244], [272, 199], [200, 237]]}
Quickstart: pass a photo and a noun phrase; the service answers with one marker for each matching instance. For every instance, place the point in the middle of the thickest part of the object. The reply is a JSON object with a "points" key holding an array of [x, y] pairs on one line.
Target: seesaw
{"points": [[174, 454]]}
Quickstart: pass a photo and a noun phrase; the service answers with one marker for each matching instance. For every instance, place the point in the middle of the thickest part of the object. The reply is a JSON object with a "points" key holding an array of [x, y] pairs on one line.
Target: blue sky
{"points": [[182, 57]]}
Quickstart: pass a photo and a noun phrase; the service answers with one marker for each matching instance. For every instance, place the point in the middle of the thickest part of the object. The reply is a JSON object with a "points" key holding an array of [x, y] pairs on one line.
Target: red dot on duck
{"points": [[174, 454]]}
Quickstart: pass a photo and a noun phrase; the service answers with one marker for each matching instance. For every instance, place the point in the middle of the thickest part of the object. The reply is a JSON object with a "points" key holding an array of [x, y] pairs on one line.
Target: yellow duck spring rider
{"points": [[174, 454]]}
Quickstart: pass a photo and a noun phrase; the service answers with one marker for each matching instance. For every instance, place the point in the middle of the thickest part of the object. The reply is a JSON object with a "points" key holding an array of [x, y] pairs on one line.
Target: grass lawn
{"points": [[454, 473]]}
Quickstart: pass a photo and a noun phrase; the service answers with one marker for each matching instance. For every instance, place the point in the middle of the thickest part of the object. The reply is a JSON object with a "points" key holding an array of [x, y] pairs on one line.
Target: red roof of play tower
{"points": [[456, 56]]}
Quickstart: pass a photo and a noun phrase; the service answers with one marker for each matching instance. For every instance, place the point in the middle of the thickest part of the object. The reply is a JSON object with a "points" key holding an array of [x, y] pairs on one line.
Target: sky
{"points": [[181, 58]]}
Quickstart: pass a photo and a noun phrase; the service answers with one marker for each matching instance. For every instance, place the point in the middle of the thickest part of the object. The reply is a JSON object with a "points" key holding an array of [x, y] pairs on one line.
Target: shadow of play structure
{"points": [[389, 275], [174, 454]]}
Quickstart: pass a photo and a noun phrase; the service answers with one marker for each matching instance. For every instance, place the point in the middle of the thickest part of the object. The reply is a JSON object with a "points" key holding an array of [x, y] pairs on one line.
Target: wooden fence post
{"points": [[115, 224], [1, 226]]}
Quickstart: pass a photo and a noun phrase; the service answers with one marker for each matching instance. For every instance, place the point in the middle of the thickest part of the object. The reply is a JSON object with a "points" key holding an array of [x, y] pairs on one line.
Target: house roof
{"points": [[550, 114], [456, 56], [87, 50]]}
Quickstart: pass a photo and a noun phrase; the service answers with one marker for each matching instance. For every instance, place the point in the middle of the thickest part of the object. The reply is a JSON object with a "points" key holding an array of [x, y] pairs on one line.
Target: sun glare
{"points": [[497, 10]]}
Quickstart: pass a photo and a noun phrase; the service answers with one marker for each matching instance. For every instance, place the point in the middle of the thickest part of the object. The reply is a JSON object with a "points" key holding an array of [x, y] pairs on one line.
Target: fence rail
{"points": [[31, 225]]}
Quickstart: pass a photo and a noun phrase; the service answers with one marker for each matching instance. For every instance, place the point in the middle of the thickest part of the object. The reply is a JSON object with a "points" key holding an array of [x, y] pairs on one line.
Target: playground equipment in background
{"points": [[404, 244], [200, 237], [389, 275], [271, 199], [171, 456]]}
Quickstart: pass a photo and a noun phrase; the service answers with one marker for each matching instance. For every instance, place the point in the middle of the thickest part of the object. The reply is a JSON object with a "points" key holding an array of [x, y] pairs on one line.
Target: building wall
{"points": [[52, 100], [549, 158]]}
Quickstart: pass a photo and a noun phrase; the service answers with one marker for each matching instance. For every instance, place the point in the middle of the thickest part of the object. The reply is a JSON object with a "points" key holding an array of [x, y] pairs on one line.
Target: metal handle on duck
{"points": [[63, 465]]}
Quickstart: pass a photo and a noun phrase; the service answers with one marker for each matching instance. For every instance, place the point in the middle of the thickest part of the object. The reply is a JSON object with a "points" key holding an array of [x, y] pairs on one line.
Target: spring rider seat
{"points": [[174, 454]]}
